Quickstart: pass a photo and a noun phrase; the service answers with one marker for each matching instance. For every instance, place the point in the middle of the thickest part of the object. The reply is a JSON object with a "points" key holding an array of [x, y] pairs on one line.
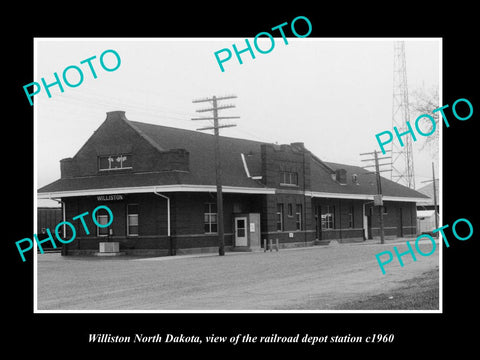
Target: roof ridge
{"points": [[145, 136], [196, 132], [322, 163]]}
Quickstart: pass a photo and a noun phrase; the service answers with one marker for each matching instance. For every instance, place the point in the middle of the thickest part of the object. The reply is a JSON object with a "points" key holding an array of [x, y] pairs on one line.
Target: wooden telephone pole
{"points": [[435, 200], [378, 199], [218, 168]]}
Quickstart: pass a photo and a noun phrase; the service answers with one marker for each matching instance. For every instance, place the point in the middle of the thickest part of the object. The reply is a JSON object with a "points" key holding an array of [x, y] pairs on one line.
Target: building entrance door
{"points": [[241, 236]]}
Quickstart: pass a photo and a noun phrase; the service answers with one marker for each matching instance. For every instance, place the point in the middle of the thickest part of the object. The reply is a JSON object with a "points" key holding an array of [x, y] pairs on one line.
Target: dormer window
{"points": [[114, 162]]}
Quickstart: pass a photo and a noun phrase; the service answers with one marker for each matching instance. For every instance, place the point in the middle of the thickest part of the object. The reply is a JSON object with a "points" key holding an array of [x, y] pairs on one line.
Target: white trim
{"points": [[162, 188], [211, 188], [116, 169], [360, 196], [168, 210], [245, 165]]}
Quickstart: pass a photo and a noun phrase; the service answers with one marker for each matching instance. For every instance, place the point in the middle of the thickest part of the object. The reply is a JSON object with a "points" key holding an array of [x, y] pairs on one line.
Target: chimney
{"points": [[298, 145], [116, 115], [67, 168], [341, 176]]}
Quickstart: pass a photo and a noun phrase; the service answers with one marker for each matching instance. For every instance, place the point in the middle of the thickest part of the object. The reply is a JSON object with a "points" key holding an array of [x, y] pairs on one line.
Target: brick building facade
{"points": [[159, 183]]}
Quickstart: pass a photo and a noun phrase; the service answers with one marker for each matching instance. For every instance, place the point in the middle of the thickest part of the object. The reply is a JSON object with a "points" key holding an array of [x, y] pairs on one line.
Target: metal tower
{"points": [[402, 157]]}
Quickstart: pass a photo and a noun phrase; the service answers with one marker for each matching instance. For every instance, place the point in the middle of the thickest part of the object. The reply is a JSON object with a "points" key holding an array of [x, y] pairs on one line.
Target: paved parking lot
{"points": [[326, 276]]}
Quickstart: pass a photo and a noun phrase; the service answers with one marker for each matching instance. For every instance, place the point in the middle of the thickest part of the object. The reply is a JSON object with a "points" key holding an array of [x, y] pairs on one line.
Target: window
{"points": [[102, 220], [298, 216], [290, 210], [279, 217], [328, 217], [350, 217], [210, 218], [132, 220], [288, 178], [114, 162]]}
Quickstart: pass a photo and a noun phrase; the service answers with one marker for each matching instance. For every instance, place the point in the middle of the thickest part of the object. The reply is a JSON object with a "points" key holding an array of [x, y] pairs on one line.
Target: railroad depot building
{"points": [[159, 183]]}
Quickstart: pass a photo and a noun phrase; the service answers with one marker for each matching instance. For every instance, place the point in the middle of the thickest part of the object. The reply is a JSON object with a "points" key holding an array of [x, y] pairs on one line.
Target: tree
{"points": [[424, 101]]}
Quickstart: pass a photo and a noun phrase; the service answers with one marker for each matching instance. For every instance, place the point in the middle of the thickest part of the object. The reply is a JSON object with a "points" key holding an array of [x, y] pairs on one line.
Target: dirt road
{"points": [[286, 280]]}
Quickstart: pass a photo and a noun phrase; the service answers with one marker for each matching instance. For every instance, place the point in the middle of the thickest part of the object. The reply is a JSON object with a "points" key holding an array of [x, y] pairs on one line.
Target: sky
{"points": [[332, 94]]}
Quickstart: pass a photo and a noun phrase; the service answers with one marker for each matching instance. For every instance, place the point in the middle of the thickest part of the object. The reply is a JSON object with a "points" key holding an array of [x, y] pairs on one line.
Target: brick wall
{"points": [[277, 159], [341, 209], [290, 158], [187, 220], [116, 137], [399, 219]]}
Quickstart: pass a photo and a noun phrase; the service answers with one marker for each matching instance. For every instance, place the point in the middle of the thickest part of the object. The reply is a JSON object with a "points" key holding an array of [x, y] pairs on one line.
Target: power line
{"points": [[104, 101]]}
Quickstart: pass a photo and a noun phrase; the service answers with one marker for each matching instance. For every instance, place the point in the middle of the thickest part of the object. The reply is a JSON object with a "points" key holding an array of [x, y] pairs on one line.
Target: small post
{"points": [[264, 245], [276, 247], [434, 196], [270, 244]]}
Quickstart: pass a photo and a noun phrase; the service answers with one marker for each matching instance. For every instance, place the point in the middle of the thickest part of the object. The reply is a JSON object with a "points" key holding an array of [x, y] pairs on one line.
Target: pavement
{"points": [[287, 280], [333, 243]]}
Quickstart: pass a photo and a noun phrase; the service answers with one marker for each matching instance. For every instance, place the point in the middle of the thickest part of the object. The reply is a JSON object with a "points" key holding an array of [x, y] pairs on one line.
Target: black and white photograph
{"points": [[280, 185], [266, 168]]}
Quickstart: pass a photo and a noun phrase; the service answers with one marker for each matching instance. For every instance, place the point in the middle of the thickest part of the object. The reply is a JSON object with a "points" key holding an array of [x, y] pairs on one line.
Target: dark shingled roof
{"points": [[201, 148], [366, 182], [427, 190], [202, 168]]}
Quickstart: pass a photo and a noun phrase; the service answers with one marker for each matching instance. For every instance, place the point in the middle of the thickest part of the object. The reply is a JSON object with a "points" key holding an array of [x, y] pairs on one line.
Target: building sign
{"points": [[109, 197], [377, 200]]}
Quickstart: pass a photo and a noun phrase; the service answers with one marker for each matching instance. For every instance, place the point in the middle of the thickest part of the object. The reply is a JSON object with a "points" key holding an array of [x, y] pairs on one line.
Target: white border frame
{"points": [[266, 191]]}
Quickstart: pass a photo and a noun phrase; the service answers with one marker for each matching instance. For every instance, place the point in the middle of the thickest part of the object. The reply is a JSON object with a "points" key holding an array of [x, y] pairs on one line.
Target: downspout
{"points": [[64, 230], [168, 218], [340, 218], [364, 222]]}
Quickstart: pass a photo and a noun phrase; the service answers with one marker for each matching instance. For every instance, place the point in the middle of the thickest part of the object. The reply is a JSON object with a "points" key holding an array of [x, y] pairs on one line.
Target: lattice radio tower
{"points": [[402, 156]]}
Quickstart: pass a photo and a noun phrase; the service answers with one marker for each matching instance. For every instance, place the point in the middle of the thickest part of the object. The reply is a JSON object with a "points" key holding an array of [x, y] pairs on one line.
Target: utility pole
{"points": [[218, 167], [378, 199], [434, 194]]}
